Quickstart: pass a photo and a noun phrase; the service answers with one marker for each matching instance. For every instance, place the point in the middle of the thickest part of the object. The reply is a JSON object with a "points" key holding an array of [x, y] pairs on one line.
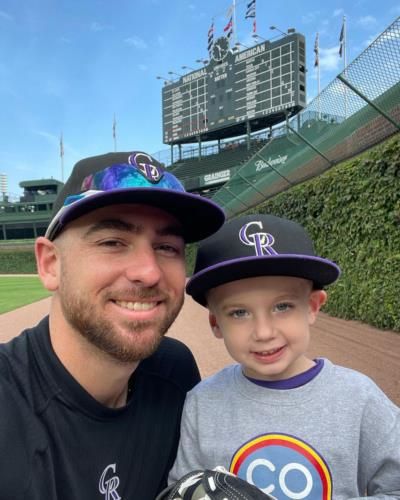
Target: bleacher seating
{"points": [[231, 155]]}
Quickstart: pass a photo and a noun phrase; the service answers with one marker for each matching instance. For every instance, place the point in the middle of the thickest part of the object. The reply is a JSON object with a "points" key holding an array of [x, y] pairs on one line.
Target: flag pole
{"points": [[234, 22], [62, 156], [114, 133], [345, 63], [317, 64], [344, 43]]}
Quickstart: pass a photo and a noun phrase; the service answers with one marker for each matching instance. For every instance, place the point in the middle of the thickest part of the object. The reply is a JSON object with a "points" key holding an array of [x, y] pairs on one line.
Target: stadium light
{"points": [[203, 61], [289, 31], [188, 67], [166, 81], [173, 73], [239, 44], [258, 37]]}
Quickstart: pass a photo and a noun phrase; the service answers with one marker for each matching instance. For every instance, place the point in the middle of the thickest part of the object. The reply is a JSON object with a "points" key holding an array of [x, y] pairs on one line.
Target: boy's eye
{"points": [[283, 307], [238, 313]]}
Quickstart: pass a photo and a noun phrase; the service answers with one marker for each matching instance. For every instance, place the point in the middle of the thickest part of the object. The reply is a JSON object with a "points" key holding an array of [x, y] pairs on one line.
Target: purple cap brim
{"points": [[199, 216], [320, 271]]}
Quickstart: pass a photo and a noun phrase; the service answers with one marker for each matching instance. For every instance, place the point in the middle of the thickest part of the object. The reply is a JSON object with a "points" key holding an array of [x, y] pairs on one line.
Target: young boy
{"points": [[296, 427]]}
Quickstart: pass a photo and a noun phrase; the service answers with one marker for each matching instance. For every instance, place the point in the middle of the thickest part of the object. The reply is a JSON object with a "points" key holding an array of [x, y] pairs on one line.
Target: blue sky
{"points": [[67, 66]]}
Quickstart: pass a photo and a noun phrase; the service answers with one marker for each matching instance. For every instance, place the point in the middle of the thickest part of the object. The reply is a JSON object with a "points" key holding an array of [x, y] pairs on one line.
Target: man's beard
{"points": [[133, 345]]}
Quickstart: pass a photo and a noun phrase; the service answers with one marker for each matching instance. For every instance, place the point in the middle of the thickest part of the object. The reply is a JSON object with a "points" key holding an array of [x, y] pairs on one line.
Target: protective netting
{"points": [[358, 109]]}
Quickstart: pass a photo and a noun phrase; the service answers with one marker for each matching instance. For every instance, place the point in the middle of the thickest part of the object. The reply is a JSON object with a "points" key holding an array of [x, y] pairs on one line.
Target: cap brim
{"points": [[199, 216], [321, 272]]}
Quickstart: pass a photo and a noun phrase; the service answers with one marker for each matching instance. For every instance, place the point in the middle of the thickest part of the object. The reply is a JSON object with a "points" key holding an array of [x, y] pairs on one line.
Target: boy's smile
{"points": [[265, 322]]}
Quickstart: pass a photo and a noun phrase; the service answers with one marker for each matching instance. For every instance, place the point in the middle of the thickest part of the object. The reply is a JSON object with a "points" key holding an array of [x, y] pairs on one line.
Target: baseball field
{"points": [[17, 291], [349, 343]]}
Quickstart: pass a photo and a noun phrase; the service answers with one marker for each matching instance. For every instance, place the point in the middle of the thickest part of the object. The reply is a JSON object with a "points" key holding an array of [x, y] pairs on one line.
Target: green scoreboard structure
{"points": [[237, 92]]}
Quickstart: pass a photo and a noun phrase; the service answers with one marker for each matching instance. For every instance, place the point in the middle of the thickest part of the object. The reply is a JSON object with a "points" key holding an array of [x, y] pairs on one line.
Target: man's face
{"points": [[121, 278]]}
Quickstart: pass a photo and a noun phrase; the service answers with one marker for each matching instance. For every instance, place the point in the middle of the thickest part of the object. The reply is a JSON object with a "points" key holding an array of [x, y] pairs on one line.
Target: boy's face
{"points": [[265, 322]]}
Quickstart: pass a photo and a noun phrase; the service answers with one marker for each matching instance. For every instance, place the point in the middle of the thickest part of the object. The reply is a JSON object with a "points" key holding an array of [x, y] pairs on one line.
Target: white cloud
{"points": [[309, 17], [329, 58], [5, 15], [338, 12], [135, 41], [51, 138], [366, 21], [54, 140], [54, 87], [369, 40], [95, 26]]}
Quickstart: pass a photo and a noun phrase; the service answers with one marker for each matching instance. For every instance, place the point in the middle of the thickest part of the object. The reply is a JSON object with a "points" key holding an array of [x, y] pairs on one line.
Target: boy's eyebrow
{"points": [[121, 225]]}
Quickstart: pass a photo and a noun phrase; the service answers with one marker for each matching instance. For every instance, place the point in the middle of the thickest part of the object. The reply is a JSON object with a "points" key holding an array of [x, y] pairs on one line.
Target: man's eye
{"points": [[168, 249], [110, 243]]}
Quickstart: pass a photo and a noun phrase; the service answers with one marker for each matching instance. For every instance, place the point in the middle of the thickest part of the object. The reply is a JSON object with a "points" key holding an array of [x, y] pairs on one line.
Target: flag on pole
{"points": [[341, 39], [229, 28], [316, 51], [61, 146], [251, 13], [210, 37], [229, 12], [114, 128]]}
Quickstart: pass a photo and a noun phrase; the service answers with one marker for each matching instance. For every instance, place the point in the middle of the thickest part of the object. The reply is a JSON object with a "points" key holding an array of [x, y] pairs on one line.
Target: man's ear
{"points": [[317, 299], [214, 325], [47, 262]]}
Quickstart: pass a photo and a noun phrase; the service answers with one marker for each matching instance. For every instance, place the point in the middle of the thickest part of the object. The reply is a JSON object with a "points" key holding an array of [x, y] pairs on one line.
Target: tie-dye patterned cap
{"points": [[136, 177]]}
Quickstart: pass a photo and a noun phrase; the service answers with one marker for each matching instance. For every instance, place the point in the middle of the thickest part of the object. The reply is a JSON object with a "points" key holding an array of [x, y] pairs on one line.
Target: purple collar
{"points": [[292, 382]]}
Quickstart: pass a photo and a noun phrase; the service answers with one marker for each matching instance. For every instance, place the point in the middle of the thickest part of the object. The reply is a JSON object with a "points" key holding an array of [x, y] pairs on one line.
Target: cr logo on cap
{"points": [[145, 164], [261, 241]]}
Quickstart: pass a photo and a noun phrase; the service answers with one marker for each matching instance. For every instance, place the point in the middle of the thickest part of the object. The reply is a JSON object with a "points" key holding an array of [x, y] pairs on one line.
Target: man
{"points": [[91, 398]]}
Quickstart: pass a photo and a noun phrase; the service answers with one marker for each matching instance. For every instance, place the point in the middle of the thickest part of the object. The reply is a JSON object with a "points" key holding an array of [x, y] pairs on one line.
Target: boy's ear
{"points": [[47, 262], [214, 325], [317, 299]]}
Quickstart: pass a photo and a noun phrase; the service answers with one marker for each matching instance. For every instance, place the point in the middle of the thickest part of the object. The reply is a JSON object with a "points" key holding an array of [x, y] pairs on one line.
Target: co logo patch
{"points": [[283, 466]]}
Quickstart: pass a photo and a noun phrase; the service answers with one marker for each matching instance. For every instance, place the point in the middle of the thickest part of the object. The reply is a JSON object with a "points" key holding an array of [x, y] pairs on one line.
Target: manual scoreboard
{"points": [[236, 92]]}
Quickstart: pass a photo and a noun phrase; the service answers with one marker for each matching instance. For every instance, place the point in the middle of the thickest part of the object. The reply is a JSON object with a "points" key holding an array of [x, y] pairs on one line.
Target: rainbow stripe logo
{"points": [[283, 466]]}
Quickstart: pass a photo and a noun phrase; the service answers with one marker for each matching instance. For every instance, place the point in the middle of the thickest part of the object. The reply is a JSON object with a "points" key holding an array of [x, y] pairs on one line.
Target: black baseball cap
{"points": [[257, 245], [134, 177]]}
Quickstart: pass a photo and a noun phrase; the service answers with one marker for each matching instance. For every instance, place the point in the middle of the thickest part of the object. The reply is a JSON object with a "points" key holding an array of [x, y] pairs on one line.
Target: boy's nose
{"points": [[263, 330]]}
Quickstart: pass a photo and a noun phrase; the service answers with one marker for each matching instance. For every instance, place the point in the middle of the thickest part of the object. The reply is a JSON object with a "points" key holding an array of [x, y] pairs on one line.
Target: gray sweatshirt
{"points": [[336, 437]]}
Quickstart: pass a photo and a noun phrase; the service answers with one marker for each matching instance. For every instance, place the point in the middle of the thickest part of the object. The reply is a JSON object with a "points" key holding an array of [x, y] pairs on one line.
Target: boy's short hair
{"points": [[258, 245]]}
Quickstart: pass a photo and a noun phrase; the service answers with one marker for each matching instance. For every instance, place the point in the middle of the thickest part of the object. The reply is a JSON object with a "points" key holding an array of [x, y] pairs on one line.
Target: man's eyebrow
{"points": [[121, 225], [117, 224]]}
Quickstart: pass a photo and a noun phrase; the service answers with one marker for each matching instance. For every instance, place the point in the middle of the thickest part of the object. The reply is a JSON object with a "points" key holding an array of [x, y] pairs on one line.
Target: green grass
{"points": [[16, 291]]}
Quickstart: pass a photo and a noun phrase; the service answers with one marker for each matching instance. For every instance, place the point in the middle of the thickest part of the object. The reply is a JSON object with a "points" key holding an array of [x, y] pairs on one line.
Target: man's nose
{"points": [[143, 267]]}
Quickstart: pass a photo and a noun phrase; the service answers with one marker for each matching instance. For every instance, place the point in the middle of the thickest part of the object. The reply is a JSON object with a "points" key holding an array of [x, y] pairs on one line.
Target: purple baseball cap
{"points": [[257, 245], [135, 177]]}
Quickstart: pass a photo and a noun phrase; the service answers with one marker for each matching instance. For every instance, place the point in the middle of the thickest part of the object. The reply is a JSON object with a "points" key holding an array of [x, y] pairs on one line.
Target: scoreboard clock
{"points": [[220, 49], [236, 92]]}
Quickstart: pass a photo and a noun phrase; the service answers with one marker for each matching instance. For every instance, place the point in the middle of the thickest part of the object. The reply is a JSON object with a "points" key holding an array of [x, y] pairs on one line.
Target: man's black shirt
{"points": [[58, 443]]}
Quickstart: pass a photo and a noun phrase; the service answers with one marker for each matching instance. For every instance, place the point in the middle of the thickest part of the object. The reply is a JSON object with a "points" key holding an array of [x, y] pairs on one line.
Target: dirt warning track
{"points": [[355, 345]]}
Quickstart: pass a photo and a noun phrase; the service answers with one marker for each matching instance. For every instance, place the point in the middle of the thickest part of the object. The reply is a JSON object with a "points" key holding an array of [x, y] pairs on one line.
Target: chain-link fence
{"points": [[360, 108]]}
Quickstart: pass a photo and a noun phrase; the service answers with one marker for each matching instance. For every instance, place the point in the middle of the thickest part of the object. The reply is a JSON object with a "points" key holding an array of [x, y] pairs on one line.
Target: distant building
{"points": [[30, 216]]}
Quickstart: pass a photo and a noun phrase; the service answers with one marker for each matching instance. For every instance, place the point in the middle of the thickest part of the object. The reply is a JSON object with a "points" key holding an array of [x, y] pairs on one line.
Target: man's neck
{"points": [[104, 378]]}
